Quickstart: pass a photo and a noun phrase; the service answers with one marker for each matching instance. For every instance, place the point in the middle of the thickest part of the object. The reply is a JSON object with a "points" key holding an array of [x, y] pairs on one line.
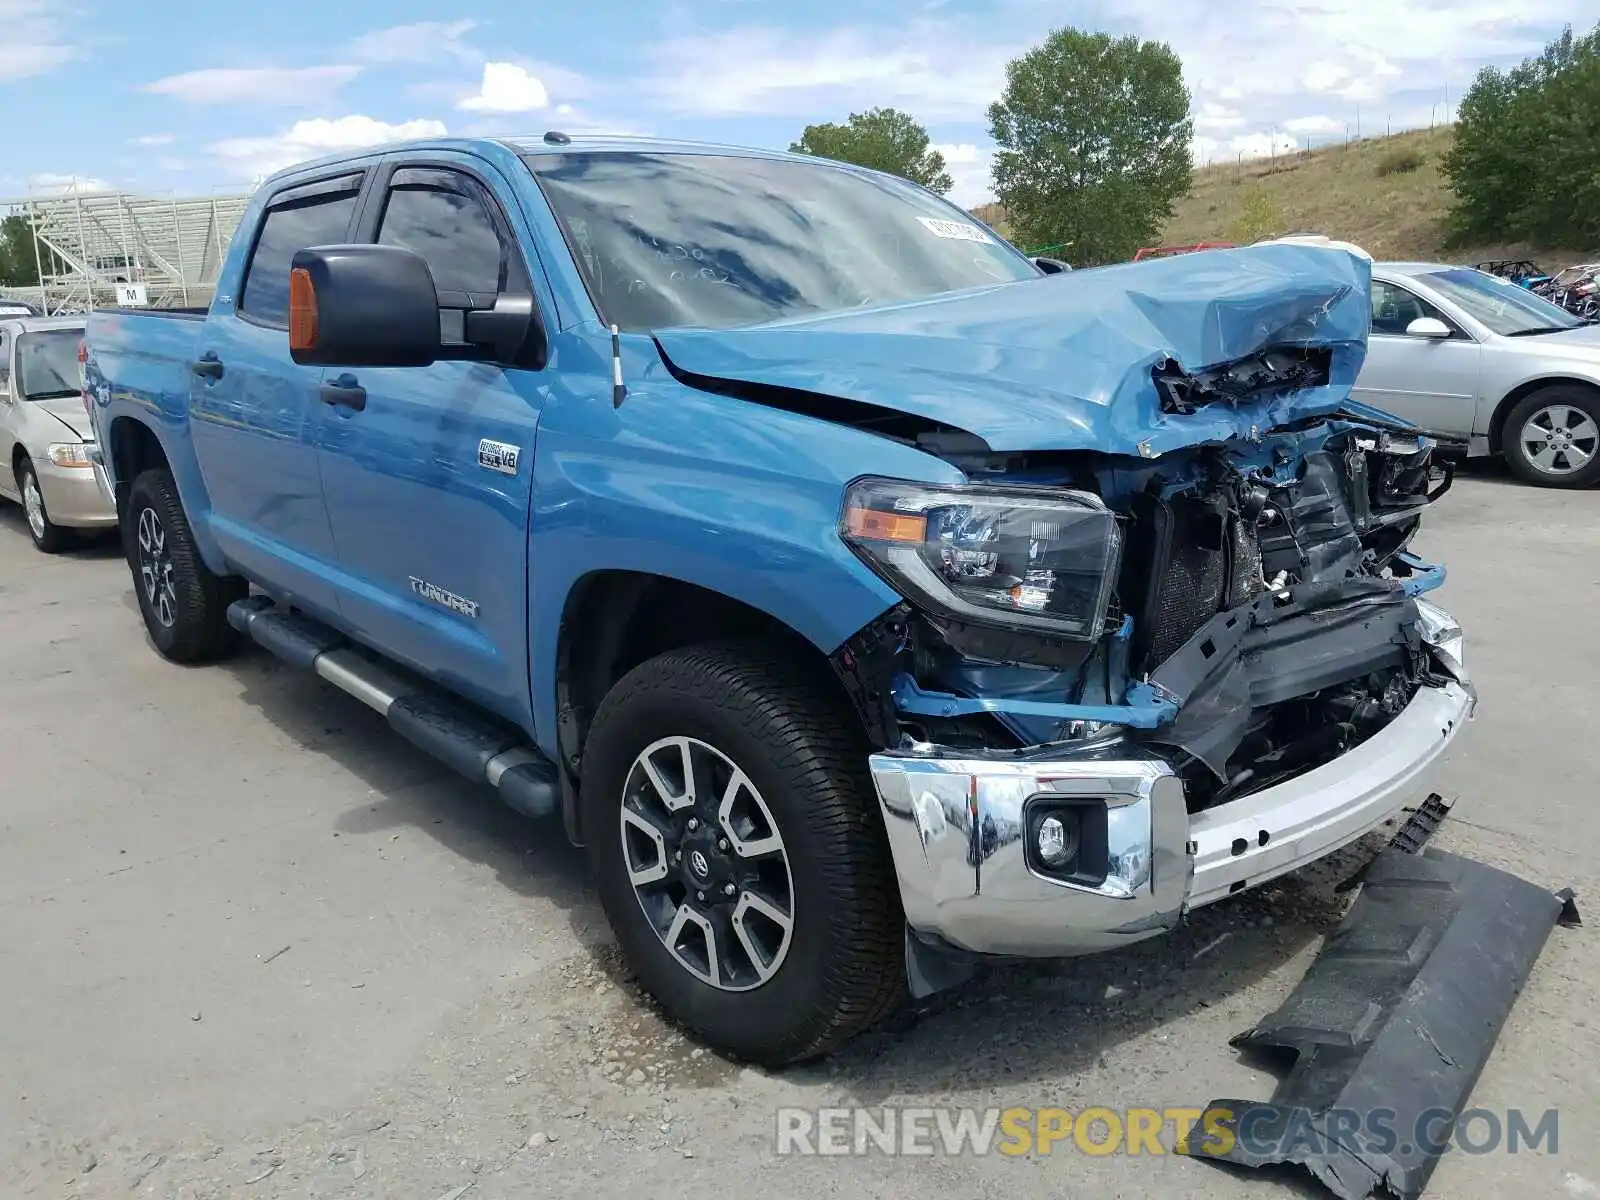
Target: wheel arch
{"points": [[132, 446], [1521, 392], [613, 620]]}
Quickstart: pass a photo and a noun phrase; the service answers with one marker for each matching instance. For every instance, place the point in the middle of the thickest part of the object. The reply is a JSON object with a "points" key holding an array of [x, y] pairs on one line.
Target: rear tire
{"points": [[48, 537], [184, 604], [1570, 414], [800, 838]]}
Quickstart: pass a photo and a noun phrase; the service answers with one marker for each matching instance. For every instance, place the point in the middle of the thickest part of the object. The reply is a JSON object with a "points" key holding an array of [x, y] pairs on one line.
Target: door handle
{"points": [[344, 392], [207, 366]]}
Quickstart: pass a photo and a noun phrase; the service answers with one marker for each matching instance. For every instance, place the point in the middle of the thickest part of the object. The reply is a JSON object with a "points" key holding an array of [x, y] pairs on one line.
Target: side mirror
{"points": [[1052, 266], [1428, 327], [362, 306]]}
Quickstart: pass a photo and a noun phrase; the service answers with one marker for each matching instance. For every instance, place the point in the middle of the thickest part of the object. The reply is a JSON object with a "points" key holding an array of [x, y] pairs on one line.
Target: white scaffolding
{"points": [[86, 244]]}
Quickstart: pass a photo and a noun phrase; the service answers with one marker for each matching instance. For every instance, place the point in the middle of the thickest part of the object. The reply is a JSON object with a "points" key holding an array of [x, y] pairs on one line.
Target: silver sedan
{"points": [[1464, 353]]}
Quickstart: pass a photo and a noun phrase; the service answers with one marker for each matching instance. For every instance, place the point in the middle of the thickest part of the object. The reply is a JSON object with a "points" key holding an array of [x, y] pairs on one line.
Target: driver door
{"points": [[428, 471], [1432, 382]]}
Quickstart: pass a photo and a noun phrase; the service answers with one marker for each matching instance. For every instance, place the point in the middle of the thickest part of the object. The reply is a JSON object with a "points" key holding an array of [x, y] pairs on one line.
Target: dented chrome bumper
{"points": [[961, 829]]}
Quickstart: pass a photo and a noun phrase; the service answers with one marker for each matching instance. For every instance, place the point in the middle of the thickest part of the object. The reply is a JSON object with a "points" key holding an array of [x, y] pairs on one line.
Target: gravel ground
{"points": [[252, 944]]}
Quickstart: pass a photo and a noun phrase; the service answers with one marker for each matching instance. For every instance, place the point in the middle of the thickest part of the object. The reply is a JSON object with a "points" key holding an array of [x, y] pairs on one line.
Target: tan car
{"points": [[45, 434]]}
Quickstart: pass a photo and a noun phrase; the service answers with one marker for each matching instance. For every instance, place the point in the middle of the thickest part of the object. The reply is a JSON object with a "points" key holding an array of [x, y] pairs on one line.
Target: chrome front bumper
{"points": [[957, 829]]}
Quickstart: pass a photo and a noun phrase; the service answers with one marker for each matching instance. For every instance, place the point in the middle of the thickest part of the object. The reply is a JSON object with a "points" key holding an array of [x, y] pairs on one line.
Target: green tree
{"points": [[883, 139], [18, 266], [1525, 165], [1260, 218], [1093, 135]]}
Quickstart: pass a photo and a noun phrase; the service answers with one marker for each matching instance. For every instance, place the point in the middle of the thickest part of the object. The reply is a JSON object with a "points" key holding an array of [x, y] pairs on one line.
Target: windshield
{"points": [[1503, 306], [47, 364], [664, 240]]}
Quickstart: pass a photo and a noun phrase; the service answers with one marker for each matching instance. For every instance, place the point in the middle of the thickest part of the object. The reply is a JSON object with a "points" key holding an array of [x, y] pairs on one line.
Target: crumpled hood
{"points": [[69, 411], [1064, 362]]}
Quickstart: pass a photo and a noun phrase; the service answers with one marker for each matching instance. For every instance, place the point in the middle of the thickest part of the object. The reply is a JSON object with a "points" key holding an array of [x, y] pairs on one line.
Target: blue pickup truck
{"points": [[868, 599]]}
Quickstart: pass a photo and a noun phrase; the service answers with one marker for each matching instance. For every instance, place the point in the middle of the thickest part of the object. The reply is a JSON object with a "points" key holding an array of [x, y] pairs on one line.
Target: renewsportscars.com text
{"points": [[1104, 1131]]}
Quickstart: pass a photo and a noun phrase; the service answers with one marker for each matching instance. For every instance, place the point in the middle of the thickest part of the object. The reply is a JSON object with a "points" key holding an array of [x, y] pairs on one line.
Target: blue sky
{"points": [[184, 97]]}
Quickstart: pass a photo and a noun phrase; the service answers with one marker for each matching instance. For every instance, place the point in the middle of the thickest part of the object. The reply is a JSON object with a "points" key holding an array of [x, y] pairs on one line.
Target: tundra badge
{"points": [[498, 456], [432, 591]]}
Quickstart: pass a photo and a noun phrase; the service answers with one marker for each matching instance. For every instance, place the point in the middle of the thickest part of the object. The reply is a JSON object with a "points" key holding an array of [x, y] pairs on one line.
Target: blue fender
{"points": [[707, 489]]}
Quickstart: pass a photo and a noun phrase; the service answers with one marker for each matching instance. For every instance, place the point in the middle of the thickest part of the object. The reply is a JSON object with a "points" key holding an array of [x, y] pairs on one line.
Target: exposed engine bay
{"points": [[1261, 619]]}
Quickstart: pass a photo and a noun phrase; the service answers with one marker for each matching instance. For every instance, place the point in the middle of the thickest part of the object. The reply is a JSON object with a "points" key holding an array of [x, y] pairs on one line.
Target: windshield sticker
{"points": [[957, 231]]}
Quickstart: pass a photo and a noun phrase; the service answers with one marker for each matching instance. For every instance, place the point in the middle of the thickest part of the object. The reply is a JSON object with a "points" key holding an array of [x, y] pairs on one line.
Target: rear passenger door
{"points": [[254, 410], [428, 483]]}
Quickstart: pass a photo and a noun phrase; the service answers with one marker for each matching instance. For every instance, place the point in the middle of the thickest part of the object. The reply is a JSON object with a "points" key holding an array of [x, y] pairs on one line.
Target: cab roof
{"points": [[536, 144]]}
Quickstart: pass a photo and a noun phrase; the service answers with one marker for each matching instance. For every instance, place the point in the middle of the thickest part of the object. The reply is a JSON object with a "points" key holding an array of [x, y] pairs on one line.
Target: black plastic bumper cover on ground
{"points": [[1390, 1027]]}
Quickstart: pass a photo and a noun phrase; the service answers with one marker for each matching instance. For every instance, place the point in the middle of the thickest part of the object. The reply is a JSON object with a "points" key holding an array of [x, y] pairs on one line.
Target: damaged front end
{"points": [[1120, 689]]}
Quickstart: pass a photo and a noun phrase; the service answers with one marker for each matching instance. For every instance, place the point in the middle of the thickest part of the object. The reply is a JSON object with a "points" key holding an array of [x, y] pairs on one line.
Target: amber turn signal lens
{"points": [[883, 526], [302, 310]]}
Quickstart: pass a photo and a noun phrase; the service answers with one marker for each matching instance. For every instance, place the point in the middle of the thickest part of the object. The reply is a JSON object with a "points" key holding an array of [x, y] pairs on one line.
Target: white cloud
{"points": [[419, 42], [506, 88], [34, 41], [152, 139], [283, 86], [1243, 146], [762, 70], [48, 183], [1313, 125], [969, 166], [254, 157], [1213, 116]]}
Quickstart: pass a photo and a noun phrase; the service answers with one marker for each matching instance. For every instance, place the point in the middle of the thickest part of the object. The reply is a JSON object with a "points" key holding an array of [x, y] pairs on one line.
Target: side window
{"points": [[5, 362], [1394, 308], [316, 221], [443, 216]]}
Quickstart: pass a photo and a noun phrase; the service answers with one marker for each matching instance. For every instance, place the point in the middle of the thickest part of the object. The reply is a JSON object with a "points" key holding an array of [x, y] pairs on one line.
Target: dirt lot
{"points": [[251, 944]]}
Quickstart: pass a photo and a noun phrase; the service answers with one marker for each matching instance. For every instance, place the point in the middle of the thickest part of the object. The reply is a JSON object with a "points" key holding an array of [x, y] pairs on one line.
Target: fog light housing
{"points": [[1057, 840], [1066, 839]]}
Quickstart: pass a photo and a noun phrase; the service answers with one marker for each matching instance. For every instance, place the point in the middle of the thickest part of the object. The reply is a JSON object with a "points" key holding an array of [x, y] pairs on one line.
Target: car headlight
{"points": [[70, 454], [1032, 558]]}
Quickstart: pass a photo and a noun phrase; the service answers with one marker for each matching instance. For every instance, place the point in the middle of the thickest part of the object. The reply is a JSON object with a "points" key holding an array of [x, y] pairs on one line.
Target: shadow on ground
{"points": [[1009, 1025]]}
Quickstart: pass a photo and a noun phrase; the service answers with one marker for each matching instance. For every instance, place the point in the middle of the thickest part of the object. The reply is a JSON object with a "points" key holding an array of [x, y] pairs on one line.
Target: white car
{"points": [[1468, 354]]}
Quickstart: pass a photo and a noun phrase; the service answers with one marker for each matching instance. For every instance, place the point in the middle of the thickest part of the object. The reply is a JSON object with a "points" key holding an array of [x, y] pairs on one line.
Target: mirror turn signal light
{"points": [[302, 310]]}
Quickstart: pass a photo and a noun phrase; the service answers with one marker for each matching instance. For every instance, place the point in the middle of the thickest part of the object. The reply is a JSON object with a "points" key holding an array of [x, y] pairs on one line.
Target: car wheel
{"points": [[46, 534], [738, 852], [1552, 437], [184, 604]]}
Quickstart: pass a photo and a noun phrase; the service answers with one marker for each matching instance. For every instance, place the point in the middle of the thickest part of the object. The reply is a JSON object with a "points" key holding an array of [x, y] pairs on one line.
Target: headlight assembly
{"points": [[69, 454], [1031, 558]]}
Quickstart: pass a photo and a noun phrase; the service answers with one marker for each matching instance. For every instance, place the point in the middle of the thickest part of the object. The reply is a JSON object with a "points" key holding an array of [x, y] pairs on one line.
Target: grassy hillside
{"points": [[1384, 194]]}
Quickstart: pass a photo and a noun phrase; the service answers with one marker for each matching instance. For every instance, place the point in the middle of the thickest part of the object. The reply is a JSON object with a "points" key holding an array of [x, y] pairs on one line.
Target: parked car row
{"points": [[1575, 288]]}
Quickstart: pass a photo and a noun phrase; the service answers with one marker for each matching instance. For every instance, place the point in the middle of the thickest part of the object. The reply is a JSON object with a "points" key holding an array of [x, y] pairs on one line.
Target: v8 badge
{"points": [[498, 456]]}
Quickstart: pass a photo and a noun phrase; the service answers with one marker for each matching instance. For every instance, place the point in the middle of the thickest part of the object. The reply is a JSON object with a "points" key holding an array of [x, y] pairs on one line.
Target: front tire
{"points": [[738, 853], [48, 537], [184, 604], [1552, 437]]}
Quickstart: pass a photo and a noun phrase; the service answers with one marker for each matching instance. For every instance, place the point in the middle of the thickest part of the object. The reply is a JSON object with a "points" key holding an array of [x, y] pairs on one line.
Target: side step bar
{"points": [[476, 746]]}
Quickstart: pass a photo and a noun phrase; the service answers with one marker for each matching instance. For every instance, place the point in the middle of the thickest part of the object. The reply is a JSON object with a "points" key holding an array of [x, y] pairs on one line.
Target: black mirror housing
{"points": [[362, 306], [1052, 266]]}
